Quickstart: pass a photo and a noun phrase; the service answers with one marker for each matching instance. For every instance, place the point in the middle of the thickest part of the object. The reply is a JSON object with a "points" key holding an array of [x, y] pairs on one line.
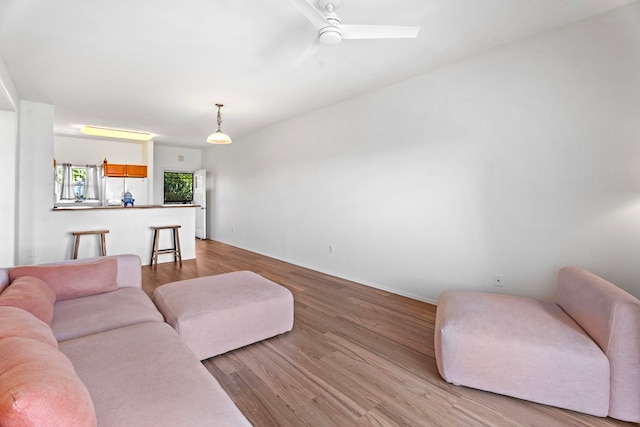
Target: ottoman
{"points": [[216, 314]]}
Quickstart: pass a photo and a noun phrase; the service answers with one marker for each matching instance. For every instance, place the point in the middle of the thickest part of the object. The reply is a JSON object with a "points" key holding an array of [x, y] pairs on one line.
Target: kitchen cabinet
{"points": [[131, 171], [111, 169], [136, 171]]}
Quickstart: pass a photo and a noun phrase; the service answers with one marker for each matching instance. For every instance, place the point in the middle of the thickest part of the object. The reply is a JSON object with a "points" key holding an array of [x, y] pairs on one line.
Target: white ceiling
{"points": [[161, 65]]}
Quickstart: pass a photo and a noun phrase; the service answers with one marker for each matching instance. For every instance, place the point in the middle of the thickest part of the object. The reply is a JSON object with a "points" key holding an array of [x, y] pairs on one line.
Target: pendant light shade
{"points": [[218, 137]]}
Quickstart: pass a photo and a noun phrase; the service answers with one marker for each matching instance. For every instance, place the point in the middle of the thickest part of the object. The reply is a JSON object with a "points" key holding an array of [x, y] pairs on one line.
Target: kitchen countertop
{"points": [[77, 208]]}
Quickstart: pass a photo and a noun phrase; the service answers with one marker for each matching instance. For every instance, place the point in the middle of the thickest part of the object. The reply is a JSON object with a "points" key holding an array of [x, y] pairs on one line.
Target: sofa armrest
{"points": [[611, 317]]}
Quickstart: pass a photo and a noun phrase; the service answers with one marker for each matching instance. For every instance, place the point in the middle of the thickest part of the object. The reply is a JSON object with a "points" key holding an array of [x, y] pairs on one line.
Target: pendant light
{"points": [[218, 137]]}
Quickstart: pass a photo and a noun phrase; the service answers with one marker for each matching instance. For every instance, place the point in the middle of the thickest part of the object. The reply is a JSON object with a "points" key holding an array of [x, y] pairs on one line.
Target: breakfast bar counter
{"points": [[75, 208], [129, 229]]}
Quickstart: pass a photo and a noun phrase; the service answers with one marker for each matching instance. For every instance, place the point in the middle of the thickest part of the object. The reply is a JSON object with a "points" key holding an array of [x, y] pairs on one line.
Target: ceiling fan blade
{"points": [[314, 15], [378, 32], [308, 52]]}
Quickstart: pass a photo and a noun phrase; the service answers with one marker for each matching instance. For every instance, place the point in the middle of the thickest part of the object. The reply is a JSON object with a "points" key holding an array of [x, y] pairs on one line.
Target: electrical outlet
{"points": [[233, 229], [330, 249], [498, 280]]}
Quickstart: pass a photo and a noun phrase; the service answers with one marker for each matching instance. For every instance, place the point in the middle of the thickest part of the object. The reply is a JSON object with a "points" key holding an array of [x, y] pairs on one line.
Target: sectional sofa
{"points": [[82, 345], [579, 352]]}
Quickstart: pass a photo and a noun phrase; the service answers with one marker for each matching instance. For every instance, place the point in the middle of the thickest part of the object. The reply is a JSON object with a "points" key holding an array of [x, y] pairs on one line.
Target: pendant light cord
{"points": [[219, 116]]}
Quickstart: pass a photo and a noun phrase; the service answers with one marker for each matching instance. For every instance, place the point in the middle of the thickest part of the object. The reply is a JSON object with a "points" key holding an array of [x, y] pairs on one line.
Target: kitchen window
{"points": [[178, 187], [76, 184]]}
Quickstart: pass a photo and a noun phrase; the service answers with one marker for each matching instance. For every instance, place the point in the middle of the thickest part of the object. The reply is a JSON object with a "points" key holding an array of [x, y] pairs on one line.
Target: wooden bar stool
{"points": [[78, 234], [175, 250]]}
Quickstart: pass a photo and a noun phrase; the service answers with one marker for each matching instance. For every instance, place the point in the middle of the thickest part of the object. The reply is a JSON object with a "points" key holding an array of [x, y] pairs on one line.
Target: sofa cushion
{"points": [[74, 280], [39, 387], [30, 294], [144, 375], [102, 312], [17, 322]]}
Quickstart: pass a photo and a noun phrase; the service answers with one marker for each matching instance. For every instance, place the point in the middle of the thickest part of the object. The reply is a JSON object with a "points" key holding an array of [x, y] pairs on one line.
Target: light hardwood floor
{"points": [[357, 356]]}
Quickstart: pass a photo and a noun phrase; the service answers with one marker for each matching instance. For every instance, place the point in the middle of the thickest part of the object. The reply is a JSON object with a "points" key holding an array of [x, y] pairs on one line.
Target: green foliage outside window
{"points": [[77, 173], [178, 187]]}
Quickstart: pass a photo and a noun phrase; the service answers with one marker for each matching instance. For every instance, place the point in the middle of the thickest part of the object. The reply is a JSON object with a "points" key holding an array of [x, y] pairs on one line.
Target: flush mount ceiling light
{"points": [[116, 133], [218, 137]]}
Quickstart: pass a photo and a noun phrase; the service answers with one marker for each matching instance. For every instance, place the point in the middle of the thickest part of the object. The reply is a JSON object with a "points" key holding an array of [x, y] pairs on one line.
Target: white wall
{"points": [[516, 161], [173, 159], [8, 166], [82, 151], [8, 93], [8, 147], [35, 184]]}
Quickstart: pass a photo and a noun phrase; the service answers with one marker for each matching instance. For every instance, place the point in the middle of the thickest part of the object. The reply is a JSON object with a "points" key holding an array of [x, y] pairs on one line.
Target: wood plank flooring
{"points": [[357, 356]]}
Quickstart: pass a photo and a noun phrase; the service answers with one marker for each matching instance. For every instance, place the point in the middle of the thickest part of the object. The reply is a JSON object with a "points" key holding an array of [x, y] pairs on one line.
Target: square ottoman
{"points": [[217, 314]]}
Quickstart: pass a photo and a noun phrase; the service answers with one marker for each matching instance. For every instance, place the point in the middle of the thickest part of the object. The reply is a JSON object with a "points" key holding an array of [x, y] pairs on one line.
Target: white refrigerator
{"points": [[114, 189], [200, 198]]}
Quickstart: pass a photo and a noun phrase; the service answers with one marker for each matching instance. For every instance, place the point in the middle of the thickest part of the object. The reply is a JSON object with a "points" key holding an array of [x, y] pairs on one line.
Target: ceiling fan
{"points": [[331, 31]]}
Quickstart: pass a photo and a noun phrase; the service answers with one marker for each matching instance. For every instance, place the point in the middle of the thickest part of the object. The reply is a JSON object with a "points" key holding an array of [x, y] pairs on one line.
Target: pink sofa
{"points": [[581, 352], [81, 344]]}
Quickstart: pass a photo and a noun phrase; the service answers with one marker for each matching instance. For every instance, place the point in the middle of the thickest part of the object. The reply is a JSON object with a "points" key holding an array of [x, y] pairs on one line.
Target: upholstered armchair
{"points": [[580, 352]]}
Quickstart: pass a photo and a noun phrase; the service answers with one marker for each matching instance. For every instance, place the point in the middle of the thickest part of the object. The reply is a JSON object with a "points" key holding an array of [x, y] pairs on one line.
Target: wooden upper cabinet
{"points": [[137, 171], [133, 171], [111, 169]]}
